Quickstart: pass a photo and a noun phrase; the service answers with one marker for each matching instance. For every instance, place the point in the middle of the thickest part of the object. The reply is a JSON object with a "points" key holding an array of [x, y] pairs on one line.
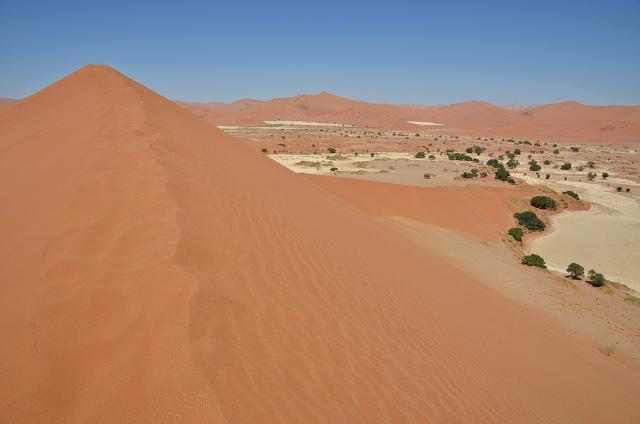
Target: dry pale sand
{"points": [[606, 237], [156, 270]]}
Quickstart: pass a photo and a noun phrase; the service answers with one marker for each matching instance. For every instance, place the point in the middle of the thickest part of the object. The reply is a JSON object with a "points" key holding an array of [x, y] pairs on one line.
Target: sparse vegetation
{"points": [[633, 299]]}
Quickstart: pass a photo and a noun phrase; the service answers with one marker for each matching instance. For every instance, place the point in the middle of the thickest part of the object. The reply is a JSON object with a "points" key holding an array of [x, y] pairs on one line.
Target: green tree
{"points": [[420, 155], [534, 260], [575, 270], [502, 174], [596, 279], [516, 233], [565, 166], [530, 221], [543, 202]]}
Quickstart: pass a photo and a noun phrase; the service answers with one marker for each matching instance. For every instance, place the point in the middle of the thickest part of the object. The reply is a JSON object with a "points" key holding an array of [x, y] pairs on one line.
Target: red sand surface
{"points": [[480, 212], [156, 270], [558, 122]]}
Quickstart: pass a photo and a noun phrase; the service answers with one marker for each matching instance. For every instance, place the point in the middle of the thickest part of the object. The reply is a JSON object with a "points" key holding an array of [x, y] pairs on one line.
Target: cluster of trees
{"points": [[459, 156], [576, 271], [475, 149]]}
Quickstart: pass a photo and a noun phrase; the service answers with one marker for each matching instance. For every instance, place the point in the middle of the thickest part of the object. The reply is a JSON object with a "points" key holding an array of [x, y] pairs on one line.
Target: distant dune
{"points": [[154, 269], [6, 102], [559, 122]]}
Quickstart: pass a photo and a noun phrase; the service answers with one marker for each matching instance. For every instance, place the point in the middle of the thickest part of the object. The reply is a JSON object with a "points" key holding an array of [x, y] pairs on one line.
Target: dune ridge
{"points": [[558, 122], [158, 270]]}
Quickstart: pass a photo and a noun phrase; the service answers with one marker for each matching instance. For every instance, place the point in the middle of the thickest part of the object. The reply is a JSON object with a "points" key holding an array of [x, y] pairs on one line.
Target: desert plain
{"points": [[314, 259]]}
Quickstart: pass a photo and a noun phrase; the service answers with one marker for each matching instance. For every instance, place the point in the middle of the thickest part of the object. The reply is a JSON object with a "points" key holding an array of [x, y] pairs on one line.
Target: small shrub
{"points": [[512, 163], [530, 221], [432, 157], [605, 175], [572, 194], [607, 350], [427, 176], [516, 233], [565, 166], [264, 150], [575, 270], [534, 260], [331, 150], [633, 299], [543, 202], [575, 149], [420, 155]]}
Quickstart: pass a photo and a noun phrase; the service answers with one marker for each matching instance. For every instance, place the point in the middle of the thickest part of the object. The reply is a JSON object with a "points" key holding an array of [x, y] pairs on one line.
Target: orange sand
{"points": [[156, 270]]}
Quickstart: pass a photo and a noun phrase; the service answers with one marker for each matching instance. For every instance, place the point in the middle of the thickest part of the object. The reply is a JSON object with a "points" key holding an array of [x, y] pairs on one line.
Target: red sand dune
{"points": [[559, 122], [6, 102], [156, 270], [481, 212]]}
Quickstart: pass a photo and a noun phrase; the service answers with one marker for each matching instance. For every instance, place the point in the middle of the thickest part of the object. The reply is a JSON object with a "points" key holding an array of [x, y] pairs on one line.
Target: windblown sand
{"points": [[155, 269]]}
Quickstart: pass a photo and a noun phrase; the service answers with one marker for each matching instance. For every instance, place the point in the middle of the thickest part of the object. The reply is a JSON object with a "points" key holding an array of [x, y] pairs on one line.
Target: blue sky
{"points": [[399, 52]]}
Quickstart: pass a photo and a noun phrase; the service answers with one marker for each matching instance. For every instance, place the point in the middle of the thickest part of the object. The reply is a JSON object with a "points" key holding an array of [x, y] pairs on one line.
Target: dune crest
{"points": [[158, 270], [558, 122]]}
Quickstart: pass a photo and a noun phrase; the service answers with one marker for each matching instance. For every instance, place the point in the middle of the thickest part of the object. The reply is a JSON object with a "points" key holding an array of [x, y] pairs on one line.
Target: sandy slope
{"points": [[156, 270], [558, 122], [4, 103]]}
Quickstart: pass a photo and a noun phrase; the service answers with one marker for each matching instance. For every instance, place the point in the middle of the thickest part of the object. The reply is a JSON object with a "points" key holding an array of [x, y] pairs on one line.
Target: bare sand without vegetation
{"points": [[155, 269]]}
